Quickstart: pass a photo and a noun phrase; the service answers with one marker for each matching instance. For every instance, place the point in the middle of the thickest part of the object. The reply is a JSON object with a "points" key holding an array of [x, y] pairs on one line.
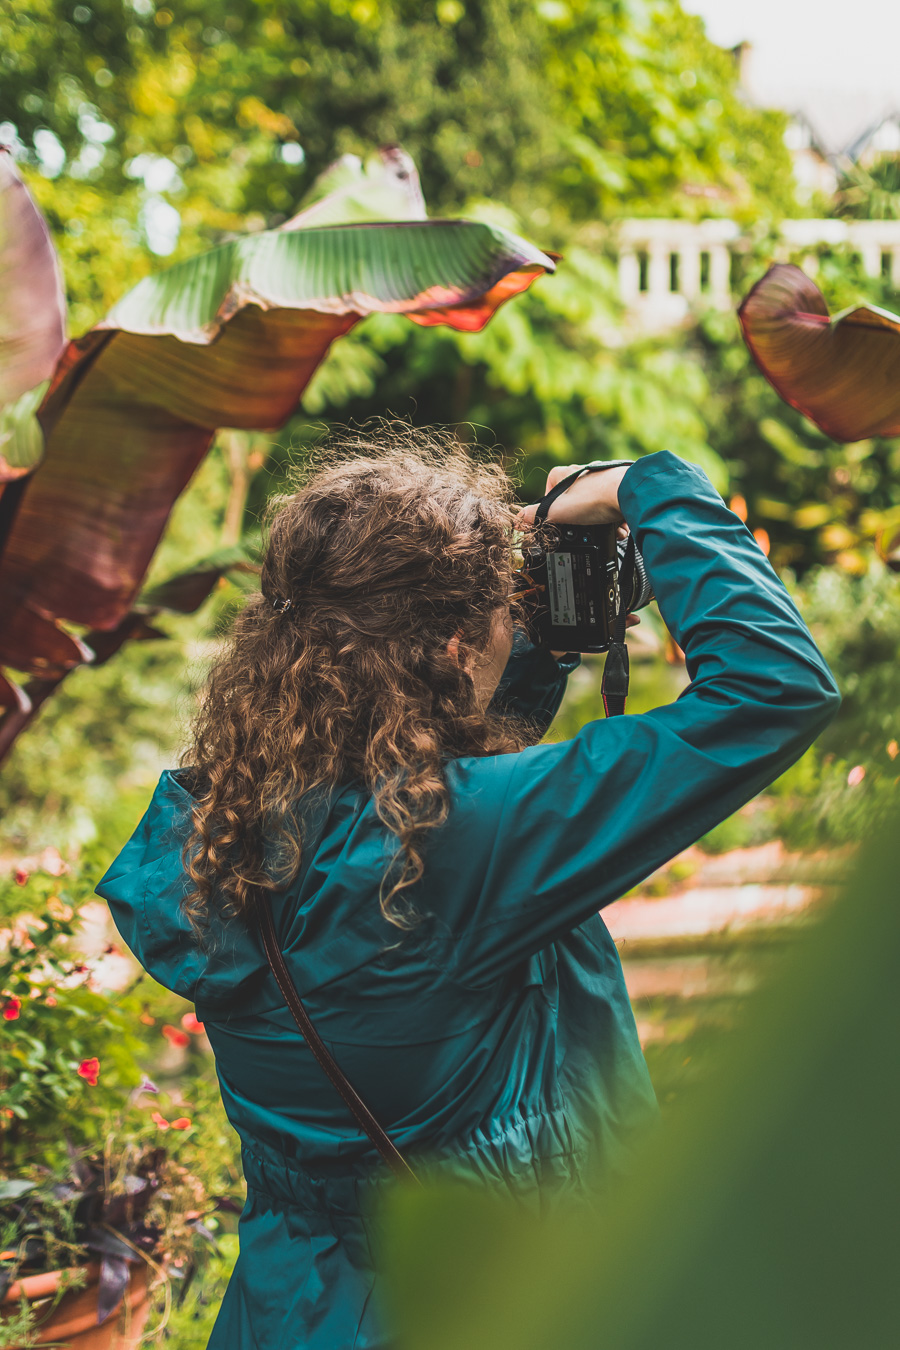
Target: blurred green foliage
{"points": [[764, 1214], [850, 780]]}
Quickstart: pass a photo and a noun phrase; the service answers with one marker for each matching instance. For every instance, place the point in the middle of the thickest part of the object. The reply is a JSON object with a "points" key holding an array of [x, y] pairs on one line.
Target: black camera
{"points": [[575, 581]]}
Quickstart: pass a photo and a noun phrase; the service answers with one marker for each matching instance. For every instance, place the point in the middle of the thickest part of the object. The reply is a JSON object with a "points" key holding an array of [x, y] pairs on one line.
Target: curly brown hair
{"points": [[398, 541]]}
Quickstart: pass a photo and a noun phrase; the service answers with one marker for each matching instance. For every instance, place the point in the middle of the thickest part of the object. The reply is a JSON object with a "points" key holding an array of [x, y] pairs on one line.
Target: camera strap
{"points": [[614, 686], [616, 672], [358, 1109]]}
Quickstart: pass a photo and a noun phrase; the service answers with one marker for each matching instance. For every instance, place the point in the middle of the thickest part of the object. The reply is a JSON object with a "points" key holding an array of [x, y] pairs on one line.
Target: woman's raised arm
{"points": [[574, 825]]}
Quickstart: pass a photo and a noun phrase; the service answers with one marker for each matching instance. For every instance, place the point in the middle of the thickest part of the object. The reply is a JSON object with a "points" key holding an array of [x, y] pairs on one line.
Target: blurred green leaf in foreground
{"points": [[764, 1213]]}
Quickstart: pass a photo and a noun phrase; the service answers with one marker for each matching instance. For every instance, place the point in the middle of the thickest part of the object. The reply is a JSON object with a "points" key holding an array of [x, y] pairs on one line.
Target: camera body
{"points": [[575, 580]]}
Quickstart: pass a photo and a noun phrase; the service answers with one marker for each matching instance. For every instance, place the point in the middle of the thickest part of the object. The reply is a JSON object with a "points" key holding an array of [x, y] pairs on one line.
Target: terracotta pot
{"points": [[74, 1319]]}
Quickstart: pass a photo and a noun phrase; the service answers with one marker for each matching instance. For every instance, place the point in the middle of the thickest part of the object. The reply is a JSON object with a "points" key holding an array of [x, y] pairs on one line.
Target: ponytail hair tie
{"points": [[280, 605]]}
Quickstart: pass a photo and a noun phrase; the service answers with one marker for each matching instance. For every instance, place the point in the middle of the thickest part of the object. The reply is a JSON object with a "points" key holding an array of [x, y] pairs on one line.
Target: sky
{"points": [[837, 60]]}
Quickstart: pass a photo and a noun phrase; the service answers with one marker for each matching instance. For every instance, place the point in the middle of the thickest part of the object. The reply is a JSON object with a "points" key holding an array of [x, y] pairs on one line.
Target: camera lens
{"points": [[641, 591]]}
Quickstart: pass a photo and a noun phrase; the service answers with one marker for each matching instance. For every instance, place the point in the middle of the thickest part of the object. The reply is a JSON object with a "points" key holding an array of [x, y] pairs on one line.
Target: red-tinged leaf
{"points": [[472, 318], [39, 646], [842, 372], [185, 592], [13, 695], [143, 417], [32, 301], [135, 627]]}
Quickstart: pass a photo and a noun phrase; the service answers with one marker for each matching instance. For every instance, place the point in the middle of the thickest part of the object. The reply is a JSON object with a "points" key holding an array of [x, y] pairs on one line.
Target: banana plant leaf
{"points": [[385, 188], [13, 696], [227, 339], [840, 371], [185, 592], [32, 321]]}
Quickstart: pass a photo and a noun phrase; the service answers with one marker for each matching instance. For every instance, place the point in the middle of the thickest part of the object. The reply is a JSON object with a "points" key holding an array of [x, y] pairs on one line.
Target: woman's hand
{"points": [[593, 499]]}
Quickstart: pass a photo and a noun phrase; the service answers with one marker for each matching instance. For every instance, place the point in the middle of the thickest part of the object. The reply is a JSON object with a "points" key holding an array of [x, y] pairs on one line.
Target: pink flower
{"points": [[176, 1037], [893, 749], [51, 861], [160, 1120], [21, 876], [856, 775], [192, 1023], [89, 1069], [11, 1009]]}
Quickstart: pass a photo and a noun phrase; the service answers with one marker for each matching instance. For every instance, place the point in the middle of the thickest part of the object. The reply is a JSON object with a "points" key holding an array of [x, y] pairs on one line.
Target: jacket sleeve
{"points": [[572, 826], [533, 683]]}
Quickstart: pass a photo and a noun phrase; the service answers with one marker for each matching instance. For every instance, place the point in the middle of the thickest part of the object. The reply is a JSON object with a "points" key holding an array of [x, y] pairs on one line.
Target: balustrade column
{"points": [[689, 272], [629, 277], [719, 274], [658, 270], [871, 259]]}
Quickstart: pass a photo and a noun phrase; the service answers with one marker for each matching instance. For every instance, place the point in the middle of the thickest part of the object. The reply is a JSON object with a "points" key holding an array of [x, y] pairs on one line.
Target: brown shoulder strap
{"points": [[361, 1113]]}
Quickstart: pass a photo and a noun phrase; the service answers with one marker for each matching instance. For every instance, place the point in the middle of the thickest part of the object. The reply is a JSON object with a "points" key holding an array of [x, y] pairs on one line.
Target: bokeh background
{"points": [[614, 132]]}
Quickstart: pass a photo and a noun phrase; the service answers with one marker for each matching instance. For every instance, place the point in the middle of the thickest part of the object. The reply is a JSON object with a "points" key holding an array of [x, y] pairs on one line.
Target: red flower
{"points": [[89, 1069], [175, 1037], [182, 1123], [191, 1022], [160, 1120], [21, 875], [11, 1009]]}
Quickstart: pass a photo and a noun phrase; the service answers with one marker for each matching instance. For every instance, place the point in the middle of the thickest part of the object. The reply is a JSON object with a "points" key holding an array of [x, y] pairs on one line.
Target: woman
{"points": [[364, 753]]}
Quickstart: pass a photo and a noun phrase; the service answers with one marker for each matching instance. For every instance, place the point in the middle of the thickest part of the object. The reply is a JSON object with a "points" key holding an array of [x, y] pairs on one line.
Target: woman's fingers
{"points": [[632, 621], [592, 499], [558, 474]]}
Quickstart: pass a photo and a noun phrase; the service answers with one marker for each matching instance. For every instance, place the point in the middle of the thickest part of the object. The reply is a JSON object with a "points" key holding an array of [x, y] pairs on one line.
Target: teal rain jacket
{"points": [[497, 1036]]}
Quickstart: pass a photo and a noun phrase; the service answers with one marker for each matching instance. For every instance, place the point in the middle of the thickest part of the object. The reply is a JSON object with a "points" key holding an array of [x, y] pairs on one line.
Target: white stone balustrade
{"points": [[669, 269]]}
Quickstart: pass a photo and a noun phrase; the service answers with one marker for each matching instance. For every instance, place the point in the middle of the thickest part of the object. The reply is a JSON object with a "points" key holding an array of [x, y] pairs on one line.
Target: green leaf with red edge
{"points": [[841, 371], [230, 338], [32, 321]]}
